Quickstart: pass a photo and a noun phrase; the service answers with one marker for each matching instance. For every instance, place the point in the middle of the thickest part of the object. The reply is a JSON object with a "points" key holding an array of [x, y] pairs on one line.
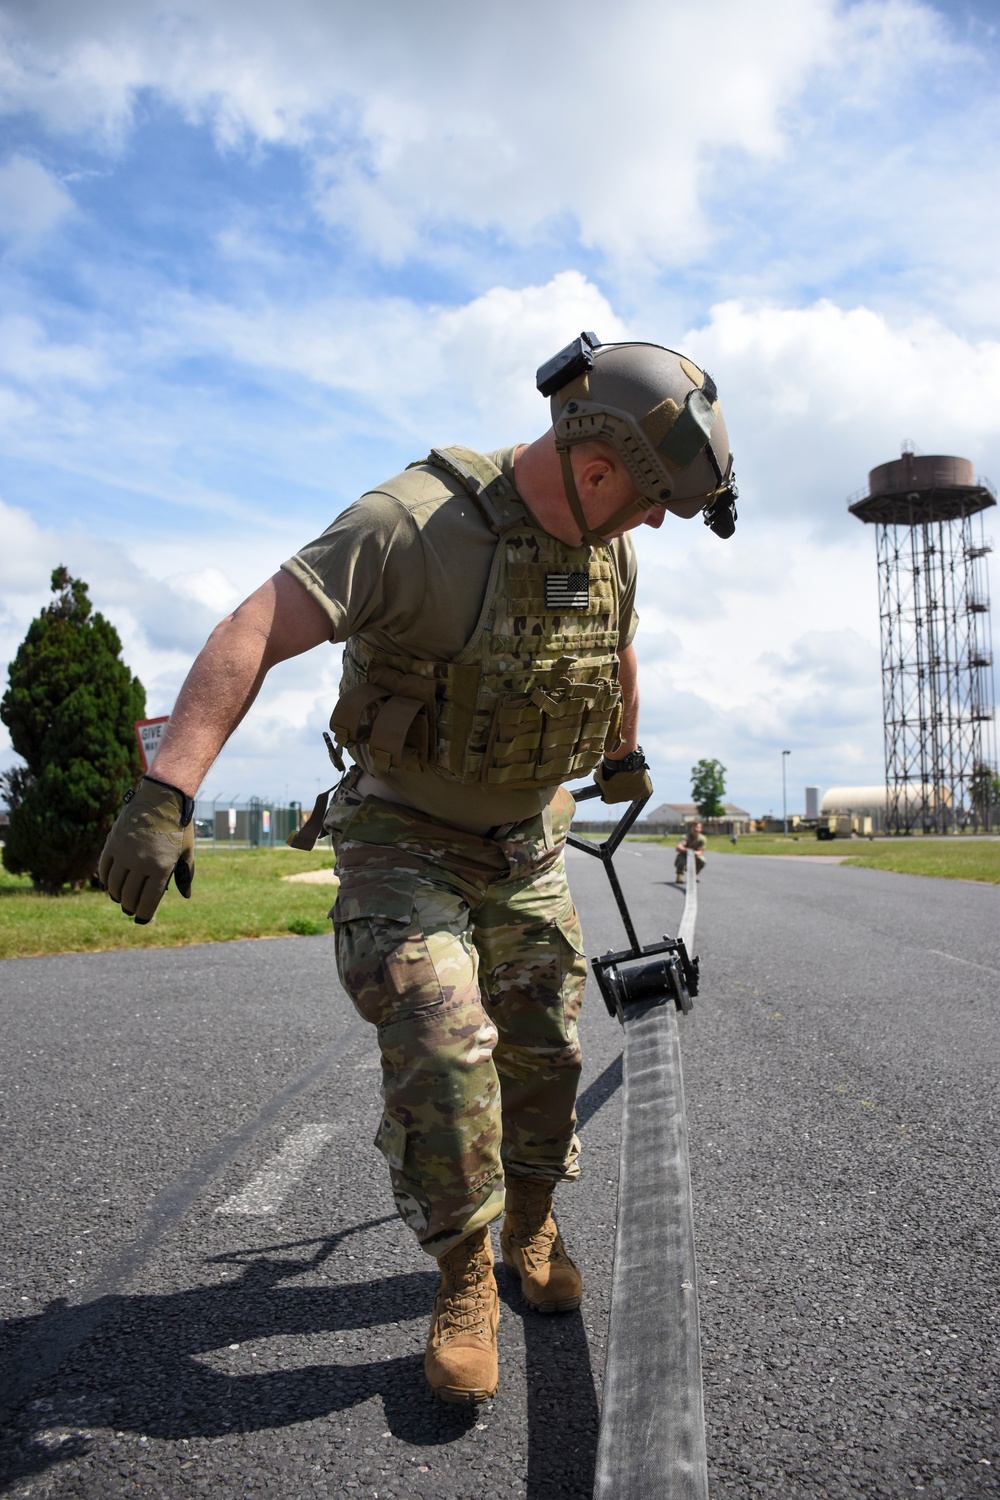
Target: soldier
{"points": [[692, 839], [487, 606]]}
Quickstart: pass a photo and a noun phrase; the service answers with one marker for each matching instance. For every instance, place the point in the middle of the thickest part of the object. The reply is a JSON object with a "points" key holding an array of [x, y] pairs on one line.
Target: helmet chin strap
{"points": [[718, 504], [590, 535]]}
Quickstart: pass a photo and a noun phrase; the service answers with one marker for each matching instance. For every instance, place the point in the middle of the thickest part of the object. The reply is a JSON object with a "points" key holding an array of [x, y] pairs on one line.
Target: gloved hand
{"points": [[624, 780], [152, 839]]}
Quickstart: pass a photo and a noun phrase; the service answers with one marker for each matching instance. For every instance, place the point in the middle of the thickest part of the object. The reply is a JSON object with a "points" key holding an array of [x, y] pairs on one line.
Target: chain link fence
{"points": [[260, 823]]}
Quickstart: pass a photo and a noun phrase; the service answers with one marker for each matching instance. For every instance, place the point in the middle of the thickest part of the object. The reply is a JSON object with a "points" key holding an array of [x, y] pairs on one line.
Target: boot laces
{"points": [[534, 1230], [541, 1244], [463, 1300]]}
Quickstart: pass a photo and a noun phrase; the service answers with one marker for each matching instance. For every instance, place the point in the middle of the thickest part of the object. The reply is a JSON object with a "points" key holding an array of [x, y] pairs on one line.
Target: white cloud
{"points": [[208, 586], [16, 411], [421, 116], [32, 202], [615, 132], [814, 142], [119, 588], [343, 392], [77, 67], [31, 359], [160, 629], [815, 397], [879, 45], [414, 366], [756, 645]]}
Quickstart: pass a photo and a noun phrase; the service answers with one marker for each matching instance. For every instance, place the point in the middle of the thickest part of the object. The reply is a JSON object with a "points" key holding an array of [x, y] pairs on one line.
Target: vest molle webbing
{"points": [[533, 699]]}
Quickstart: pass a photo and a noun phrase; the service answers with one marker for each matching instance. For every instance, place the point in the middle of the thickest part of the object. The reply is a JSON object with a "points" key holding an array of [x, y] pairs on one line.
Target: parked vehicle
{"points": [[844, 826]]}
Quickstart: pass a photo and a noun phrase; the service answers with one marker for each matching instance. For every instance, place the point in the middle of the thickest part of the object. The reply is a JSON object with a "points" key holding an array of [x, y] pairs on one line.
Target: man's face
{"points": [[696, 827]]}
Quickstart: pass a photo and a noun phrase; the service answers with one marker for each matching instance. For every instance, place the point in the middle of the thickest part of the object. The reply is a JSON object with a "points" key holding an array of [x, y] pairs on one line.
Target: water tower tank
{"points": [[919, 487]]}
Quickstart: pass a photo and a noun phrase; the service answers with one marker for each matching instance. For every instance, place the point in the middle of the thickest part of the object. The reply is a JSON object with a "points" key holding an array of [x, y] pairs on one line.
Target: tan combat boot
{"points": [[461, 1359], [532, 1248]]}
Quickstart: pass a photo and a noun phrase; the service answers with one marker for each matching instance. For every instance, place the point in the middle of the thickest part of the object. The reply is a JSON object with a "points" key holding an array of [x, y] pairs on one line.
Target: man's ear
{"points": [[596, 470]]}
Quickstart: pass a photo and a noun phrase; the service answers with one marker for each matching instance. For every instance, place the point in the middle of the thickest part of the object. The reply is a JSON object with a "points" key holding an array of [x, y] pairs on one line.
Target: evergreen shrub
{"points": [[71, 707]]}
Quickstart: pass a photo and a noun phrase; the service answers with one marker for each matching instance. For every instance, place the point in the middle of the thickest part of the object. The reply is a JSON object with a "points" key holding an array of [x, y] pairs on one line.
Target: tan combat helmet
{"points": [[661, 415]]}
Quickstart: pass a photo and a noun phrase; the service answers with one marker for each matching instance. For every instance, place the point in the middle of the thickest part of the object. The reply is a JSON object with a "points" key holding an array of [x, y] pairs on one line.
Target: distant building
{"points": [[854, 799], [674, 817], [873, 801]]}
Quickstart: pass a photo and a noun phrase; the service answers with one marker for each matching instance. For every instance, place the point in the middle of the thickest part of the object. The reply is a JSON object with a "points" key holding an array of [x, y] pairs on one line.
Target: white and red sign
{"points": [[149, 733]]}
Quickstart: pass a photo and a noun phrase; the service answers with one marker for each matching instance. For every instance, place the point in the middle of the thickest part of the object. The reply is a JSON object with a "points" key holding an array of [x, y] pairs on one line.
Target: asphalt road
{"points": [[206, 1292]]}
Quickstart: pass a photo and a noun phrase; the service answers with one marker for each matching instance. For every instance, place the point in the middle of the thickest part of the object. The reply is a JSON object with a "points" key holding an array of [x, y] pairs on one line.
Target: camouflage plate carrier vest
{"points": [[533, 699]]}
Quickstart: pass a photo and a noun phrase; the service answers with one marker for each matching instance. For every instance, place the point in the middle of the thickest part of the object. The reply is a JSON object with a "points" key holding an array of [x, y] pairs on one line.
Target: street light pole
{"points": [[784, 799]]}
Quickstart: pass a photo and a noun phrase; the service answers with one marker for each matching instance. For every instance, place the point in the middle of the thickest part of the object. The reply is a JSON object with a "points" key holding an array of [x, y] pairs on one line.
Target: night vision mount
{"points": [[576, 359], [666, 970]]}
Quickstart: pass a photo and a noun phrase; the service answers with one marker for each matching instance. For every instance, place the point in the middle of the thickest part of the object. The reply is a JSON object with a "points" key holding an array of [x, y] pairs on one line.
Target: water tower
{"points": [[937, 653]]}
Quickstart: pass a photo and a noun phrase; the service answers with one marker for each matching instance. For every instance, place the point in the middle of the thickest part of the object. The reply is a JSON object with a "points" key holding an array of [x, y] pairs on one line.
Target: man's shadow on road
{"points": [[563, 1416], [144, 1364]]}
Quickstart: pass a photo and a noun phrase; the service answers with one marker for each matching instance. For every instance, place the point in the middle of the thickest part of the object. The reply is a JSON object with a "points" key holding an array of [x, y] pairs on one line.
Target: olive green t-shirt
{"points": [[407, 567]]}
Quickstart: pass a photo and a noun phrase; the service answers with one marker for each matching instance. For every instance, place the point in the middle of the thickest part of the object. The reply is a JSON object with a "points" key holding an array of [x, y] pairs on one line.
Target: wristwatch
{"points": [[633, 761]]}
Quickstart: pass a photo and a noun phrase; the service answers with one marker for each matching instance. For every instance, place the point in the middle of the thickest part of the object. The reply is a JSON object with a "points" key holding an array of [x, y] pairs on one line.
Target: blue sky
{"points": [[254, 260]]}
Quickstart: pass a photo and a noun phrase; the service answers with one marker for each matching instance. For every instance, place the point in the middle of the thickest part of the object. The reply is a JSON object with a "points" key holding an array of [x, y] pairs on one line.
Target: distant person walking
{"points": [[693, 839]]}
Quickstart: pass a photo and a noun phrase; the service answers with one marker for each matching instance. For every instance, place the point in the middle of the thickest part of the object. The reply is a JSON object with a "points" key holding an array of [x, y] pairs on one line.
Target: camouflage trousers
{"points": [[466, 953]]}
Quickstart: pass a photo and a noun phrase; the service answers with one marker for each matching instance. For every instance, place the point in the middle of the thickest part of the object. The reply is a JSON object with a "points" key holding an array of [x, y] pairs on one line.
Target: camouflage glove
{"points": [[152, 839], [624, 780]]}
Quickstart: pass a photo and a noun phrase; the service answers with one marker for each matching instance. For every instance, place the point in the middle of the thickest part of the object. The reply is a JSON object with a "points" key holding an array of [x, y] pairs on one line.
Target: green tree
{"points": [[708, 787], [984, 791], [71, 706]]}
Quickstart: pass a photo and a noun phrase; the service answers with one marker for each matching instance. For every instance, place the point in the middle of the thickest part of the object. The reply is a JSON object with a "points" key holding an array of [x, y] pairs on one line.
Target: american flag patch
{"points": [[567, 591]]}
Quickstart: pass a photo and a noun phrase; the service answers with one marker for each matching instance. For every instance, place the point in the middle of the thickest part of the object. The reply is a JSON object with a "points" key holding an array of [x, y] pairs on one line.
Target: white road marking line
{"points": [[267, 1189], [938, 953]]}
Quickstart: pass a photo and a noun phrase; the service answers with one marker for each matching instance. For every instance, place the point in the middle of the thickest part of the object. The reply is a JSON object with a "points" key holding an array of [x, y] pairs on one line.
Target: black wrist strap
{"points": [[635, 760]]}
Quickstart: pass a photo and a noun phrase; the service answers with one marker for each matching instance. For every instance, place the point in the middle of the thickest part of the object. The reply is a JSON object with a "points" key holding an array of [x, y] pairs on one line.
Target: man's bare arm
{"points": [[628, 680], [279, 620]]}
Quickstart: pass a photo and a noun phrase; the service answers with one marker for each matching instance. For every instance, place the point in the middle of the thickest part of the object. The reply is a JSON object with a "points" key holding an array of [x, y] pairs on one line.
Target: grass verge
{"points": [[945, 858], [965, 860], [237, 894]]}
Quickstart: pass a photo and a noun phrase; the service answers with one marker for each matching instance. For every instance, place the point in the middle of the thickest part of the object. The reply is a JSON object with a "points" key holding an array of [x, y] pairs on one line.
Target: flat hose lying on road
{"points": [[689, 915], [652, 1438]]}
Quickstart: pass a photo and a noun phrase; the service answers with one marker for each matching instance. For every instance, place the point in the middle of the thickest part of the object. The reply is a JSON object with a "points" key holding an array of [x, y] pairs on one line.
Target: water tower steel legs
{"points": [[937, 678]]}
